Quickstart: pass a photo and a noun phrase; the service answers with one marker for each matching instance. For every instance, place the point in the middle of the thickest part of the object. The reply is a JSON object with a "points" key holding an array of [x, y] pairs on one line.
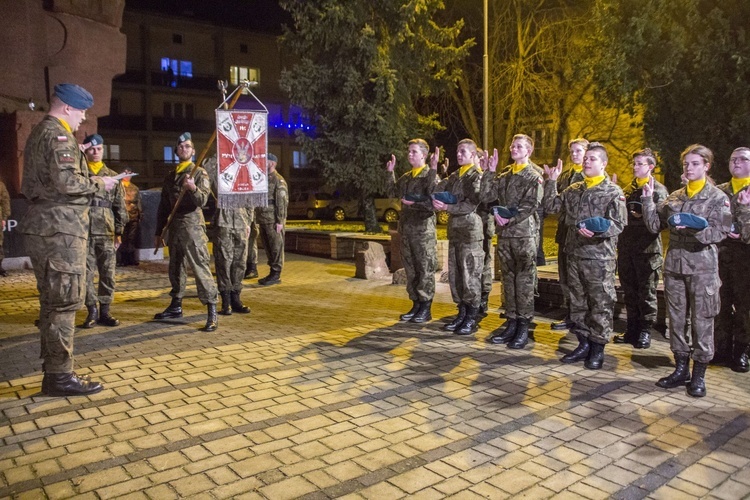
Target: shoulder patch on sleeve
{"points": [[622, 197], [539, 180], [726, 203], [65, 157], [62, 138]]}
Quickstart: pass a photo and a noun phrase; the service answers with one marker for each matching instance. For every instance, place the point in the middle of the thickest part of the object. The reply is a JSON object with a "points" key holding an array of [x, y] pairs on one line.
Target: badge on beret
{"points": [[688, 220]]}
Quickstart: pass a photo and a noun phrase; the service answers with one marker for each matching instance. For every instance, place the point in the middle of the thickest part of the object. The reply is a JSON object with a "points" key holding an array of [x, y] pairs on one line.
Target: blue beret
{"points": [[504, 212], [271, 157], [688, 220], [416, 198], [446, 197], [595, 224], [184, 137], [74, 95], [93, 140]]}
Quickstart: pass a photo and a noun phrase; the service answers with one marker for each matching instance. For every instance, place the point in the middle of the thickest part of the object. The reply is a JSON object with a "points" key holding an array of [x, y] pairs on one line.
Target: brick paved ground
{"points": [[319, 393]]}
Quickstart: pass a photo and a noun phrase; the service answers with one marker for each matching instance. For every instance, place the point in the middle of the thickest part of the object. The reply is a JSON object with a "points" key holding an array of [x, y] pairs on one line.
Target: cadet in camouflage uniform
{"points": [[271, 220], [488, 230], [591, 255], [639, 256], [691, 266], [108, 216], [186, 235], [230, 232], [519, 188], [732, 336], [4, 216], [56, 228], [251, 267], [465, 254], [572, 174], [133, 203], [416, 227]]}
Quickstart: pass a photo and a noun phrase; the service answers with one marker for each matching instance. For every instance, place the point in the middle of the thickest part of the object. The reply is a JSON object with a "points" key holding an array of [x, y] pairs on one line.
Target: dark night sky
{"points": [[256, 15]]}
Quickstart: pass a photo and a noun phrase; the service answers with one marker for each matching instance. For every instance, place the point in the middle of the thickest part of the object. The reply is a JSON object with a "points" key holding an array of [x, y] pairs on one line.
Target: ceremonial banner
{"points": [[241, 145]]}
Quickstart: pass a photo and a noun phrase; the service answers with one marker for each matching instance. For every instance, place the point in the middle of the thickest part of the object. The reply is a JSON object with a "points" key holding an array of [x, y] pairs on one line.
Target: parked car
{"points": [[309, 205], [387, 209]]}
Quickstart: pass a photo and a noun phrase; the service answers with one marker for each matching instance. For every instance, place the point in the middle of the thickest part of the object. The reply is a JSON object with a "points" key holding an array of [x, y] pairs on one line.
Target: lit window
{"points": [[300, 159], [112, 152], [169, 156], [240, 73], [175, 67]]}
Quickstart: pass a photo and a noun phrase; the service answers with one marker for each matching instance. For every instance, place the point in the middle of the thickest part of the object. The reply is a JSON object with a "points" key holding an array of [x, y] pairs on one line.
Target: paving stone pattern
{"points": [[321, 393]]}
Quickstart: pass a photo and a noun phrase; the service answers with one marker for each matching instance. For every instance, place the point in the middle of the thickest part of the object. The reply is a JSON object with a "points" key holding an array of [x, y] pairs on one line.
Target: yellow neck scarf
{"points": [[594, 181], [694, 187], [517, 168], [640, 182], [182, 166], [415, 171], [125, 182], [95, 166], [464, 169], [65, 124], [739, 184], [577, 168]]}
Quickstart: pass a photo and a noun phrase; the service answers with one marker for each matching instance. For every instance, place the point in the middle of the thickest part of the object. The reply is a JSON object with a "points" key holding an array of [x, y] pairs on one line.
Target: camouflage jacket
{"points": [[278, 200], [577, 203], [108, 212], [424, 183], [636, 238], [189, 212], [233, 218], [690, 251], [568, 177], [56, 182], [464, 224], [740, 218], [523, 192], [133, 202]]}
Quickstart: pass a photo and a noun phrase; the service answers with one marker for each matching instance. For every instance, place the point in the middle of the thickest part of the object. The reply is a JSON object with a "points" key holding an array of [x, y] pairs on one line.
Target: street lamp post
{"points": [[486, 83]]}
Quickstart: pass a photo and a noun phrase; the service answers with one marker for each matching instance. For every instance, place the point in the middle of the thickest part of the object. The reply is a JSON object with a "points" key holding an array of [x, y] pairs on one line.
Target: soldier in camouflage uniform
{"points": [[108, 216], [591, 255], [56, 228], [133, 203], [251, 266], [517, 188], [186, 234], [488, 230], [416, 227], [732, 336], [4, 216], [271, 220], [572, 174], [465, 254], [691, 266], [639, 256]]}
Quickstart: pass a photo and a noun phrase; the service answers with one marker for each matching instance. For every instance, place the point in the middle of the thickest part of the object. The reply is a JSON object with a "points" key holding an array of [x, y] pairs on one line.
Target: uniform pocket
{"points": [[65, 285], [711, 303]]}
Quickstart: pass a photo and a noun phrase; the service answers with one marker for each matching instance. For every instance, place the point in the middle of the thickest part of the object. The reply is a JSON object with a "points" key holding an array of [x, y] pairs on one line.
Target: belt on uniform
{"points": [[101, 203]]}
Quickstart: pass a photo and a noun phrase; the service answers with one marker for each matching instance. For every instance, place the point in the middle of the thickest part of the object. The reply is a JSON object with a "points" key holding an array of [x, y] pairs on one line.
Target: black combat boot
{"points": [[212, 320], [105, 318], [579, 353], [631, 334], [697, 385], [505, 333], [237, 305], [740, 362], [174, 310], [565, 324], [595, 359], [226, 306], [469, 324], [251, 272], [407, 316], [273, 278], [644, 336], [522, 334], [424, 314], [483, 304], [93, 315], [68, 384], [458, 319], [681, 374]]}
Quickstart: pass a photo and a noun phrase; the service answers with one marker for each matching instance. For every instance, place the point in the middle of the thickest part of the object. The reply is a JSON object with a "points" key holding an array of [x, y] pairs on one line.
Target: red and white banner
{"points": [[241, 145]]}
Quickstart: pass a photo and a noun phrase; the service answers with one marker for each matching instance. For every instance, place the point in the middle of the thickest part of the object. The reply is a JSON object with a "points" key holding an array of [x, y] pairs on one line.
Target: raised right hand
{"points": [[391, 165]]}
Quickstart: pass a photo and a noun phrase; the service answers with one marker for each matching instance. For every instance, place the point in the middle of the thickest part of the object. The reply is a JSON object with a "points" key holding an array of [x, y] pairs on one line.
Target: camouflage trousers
{"points": [[273, 243], [252, 247], [59, 264], [102, 259], [488, 274], [517, 259], [188, 246], [230, 258], [562, 274], [732, 329], [419, 258], [696, 296], [639, 275], [592, 297], [465, 264]]}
